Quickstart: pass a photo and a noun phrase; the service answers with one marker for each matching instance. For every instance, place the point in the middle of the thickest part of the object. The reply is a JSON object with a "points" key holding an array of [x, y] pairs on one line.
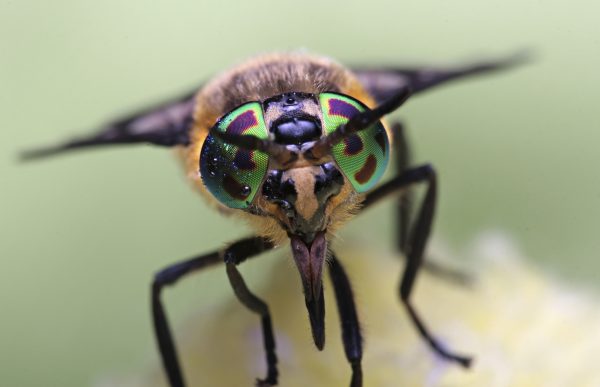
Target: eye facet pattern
{"points": [[362, 157], [233, 175]]}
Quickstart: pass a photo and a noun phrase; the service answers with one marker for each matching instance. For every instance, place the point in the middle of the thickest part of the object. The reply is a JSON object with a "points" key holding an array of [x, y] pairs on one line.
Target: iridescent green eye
{"points": [[363, 156], [234, 175]]}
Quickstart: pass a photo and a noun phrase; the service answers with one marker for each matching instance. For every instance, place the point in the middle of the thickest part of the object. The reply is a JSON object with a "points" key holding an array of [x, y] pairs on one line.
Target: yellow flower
{"points": [[524, 328]]}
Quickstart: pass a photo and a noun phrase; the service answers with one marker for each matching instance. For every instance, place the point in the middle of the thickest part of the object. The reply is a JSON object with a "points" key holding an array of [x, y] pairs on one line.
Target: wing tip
{"points": [[34, 154], [53, 150], [520, 57]]}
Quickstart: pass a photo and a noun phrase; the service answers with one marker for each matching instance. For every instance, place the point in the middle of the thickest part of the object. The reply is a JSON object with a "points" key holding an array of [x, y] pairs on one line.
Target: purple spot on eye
{"points": [[352, 145], [243, 160], [367, 170], [380, 138], [235, 189], [338, 107], [242, 123]]}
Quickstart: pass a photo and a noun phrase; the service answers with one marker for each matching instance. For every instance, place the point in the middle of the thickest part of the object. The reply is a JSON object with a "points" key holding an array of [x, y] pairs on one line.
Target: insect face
{"points": [[235, 175]]}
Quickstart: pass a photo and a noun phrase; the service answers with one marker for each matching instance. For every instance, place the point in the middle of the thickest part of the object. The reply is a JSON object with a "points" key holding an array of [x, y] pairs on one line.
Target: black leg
{"points": [[237, 252], [351, 335], [416, 245], [403, 205], [404, 211], [258, 306]]}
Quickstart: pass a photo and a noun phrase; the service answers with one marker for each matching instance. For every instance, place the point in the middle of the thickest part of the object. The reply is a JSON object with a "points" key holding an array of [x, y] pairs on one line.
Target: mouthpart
{"points": [[310, 259]]}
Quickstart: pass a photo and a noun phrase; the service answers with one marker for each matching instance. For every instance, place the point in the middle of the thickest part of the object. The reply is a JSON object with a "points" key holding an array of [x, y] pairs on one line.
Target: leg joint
{"points": [[238, 252], [423, 172]]}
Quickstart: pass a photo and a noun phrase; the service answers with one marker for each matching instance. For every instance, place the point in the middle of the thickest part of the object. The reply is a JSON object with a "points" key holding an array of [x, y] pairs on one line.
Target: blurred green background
{"points": [[82, 234]]}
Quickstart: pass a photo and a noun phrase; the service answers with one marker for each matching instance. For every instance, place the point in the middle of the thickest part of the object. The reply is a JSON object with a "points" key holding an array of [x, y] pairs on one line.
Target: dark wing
{"points": [[383, 83], [165, 124]]}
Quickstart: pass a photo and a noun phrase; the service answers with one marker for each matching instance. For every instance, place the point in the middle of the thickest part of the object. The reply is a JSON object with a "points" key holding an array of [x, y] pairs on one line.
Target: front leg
{"points": [[351, 334], [415, 247], [258, 306], [404, 209], [237, 252]]}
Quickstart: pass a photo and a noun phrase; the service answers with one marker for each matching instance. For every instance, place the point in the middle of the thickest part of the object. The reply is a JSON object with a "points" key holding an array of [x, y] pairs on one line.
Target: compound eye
{"points": [[363, 156], [231, 174]]}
